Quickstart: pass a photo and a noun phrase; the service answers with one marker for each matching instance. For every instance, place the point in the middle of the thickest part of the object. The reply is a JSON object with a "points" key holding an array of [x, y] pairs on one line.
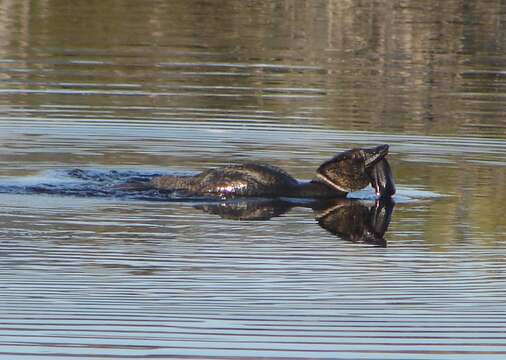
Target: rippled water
{"points": [[179, 86]]}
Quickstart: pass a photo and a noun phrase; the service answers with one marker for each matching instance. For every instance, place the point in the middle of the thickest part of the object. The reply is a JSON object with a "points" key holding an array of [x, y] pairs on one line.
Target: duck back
{"points": [[232, 180]]}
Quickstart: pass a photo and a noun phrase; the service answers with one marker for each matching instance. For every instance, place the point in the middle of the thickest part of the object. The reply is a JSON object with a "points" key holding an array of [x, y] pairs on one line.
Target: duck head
{"points": [[355, 169]]}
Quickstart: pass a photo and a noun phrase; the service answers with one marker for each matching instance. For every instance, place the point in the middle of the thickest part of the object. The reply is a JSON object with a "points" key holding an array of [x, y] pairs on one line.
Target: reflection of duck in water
{"points": [[354, 221], [351, 220], [346, 172]]}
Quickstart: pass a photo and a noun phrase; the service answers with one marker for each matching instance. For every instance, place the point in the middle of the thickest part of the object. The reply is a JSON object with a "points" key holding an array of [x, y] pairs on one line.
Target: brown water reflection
{"points": [[185, 85], [432, 68]]}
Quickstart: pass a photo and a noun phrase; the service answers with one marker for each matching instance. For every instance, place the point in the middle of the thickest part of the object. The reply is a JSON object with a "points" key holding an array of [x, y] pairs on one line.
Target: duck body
{"points": [[348, 171], [244, 180]]}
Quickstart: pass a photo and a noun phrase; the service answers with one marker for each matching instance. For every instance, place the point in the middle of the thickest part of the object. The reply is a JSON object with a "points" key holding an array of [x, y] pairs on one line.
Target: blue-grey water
{"points": [[146, 87]]}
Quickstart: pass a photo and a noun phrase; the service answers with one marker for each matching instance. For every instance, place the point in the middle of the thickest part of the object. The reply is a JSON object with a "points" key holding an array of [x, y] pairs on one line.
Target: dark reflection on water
{"points": [[175, 86], [349, 219]]}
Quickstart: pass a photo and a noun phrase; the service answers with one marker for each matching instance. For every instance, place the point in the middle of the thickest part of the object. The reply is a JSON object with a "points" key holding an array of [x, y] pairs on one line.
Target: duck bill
{"points": [[374, 155], [382, 179]]}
